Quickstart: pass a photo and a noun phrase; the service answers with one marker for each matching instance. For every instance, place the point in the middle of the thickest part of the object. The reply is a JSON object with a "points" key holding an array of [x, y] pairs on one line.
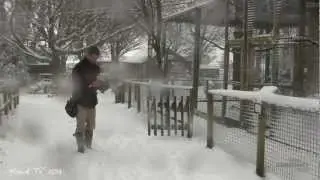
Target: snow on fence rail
{"points": [[286, 139], [158, 84], [268, 95]]}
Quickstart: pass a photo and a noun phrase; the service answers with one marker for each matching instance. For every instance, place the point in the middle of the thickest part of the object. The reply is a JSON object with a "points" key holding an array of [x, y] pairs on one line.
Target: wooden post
{"points": [[245, 48], [197, 58], [210, 120], [260, 169], [5, 101], [135, 92], [15, 100], [168, 118], [10, 100], [161, 115], [154, 108], [1, 104], [226, 58], [299, 57], [129, 96], [191, 110], [244, 60], [312, 77], [138, 98], [182, 117], [18, 97], [277, 6], [148, 115], [175, 115], [123, 92]]}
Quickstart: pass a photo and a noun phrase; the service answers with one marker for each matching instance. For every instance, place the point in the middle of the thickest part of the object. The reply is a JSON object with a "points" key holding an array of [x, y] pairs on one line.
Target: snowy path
{"points": [[40, 140]]}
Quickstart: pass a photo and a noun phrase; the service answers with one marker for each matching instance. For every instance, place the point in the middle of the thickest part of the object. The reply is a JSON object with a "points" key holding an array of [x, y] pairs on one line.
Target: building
{"points": [[36, 69]]}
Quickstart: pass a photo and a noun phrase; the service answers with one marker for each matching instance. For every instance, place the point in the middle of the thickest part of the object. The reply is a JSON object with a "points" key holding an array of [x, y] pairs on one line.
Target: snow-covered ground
{"points": [[39, 145]]}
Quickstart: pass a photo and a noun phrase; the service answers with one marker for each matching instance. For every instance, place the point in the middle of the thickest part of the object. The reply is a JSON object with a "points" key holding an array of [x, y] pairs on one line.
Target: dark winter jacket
{"points": [[83, 74]]}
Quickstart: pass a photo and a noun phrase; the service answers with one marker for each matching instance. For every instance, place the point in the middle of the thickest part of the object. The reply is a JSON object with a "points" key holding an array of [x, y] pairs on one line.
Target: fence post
{"points": [[135, 92], [122, 93], [161, 115], [210, 120], [154, 109], [260, 168], [15, 100], [182, 116], [138, 99], [5, 102], [129, 96], [191, 109], [18, 97], [1, 104], [168, 117], [10, 100], [175, 115], [149, 115]]}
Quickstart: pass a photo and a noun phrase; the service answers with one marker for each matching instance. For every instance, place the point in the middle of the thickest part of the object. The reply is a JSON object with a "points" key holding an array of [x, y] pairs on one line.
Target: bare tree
{"points": [[60, 27], [11, 63], [180, 38], [123, 43], [149, 15]]}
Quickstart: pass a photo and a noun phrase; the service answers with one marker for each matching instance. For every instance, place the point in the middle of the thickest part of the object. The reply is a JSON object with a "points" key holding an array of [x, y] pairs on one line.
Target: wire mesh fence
{"points": [[291, 142], [235, 131]]}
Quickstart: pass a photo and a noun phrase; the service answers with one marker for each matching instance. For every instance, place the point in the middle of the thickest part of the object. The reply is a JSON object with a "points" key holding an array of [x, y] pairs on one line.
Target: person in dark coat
{"points": [[85, 85]]}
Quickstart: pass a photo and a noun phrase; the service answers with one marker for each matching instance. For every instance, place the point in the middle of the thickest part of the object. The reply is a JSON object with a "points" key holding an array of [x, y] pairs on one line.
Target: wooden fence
{"points": [[9, 100], [168, 107], [280, 139]]}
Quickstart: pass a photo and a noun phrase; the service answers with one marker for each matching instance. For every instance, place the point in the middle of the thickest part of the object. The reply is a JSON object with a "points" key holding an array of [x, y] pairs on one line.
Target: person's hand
{"points": [[96, 84]]}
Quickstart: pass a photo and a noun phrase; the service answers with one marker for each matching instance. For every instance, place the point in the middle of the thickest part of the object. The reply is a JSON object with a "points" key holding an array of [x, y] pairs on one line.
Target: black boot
{"points": [[88, 138], [80, 141]]}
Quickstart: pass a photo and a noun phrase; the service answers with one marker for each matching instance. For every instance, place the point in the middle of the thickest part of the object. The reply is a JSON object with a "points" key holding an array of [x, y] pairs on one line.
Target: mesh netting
{"points": [[293, 143], [235, 131]]}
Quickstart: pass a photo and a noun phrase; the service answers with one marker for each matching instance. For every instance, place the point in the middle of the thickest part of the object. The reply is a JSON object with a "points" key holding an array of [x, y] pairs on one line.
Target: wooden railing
{"points": [[9, 100], [168, 107]]}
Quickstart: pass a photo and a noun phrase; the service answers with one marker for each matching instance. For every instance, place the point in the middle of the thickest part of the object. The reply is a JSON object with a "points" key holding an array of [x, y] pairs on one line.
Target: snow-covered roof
{"points": [[214, 13]]}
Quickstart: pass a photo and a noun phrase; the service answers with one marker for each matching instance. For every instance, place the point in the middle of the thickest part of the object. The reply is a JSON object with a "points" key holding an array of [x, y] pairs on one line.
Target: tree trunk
{"points": [[115, 51], [115, 54], [3, 17]]}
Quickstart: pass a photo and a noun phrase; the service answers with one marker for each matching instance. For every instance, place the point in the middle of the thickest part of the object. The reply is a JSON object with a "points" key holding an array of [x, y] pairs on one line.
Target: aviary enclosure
{"points": [[273, 43]]}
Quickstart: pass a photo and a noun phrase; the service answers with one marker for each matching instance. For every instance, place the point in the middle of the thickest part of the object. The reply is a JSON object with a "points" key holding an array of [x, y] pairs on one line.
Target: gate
{"points": [[169, 115]]}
